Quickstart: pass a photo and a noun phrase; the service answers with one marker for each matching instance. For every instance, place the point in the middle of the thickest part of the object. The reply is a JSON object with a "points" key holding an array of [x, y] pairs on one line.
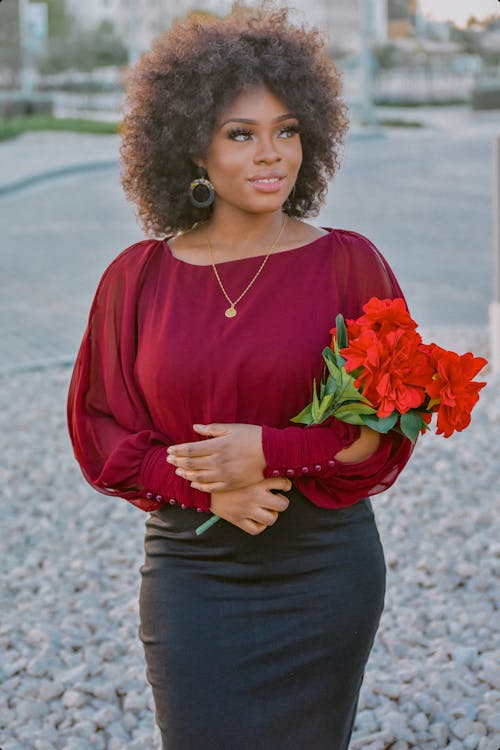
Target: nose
{"points": [[266, 151]]}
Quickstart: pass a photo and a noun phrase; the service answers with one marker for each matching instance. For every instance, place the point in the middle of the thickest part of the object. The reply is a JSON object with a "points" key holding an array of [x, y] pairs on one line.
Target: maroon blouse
{"points": [[159, 355]]}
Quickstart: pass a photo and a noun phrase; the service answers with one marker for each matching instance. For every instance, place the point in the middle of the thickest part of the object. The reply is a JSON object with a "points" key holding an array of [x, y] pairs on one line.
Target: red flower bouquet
{"points": [[382, 375]]}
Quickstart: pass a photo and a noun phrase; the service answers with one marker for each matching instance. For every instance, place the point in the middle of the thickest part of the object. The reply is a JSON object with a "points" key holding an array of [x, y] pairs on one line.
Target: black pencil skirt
{"points": [[260, 642]]}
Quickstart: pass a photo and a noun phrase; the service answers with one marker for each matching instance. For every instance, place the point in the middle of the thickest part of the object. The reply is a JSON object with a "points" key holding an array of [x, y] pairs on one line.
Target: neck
{"points": [[236, 234]]}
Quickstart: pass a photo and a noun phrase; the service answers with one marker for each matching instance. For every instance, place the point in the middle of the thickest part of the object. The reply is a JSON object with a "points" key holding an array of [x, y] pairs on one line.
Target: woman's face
{"points": [[255, 155]]}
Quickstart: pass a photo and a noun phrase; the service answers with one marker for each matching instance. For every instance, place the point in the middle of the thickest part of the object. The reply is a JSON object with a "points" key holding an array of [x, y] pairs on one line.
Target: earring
{"points": [[201, 191]]}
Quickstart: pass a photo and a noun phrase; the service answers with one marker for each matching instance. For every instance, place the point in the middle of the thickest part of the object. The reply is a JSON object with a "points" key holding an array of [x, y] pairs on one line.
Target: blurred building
{"points": [[342, 20], [401, 18], [144, 19]]}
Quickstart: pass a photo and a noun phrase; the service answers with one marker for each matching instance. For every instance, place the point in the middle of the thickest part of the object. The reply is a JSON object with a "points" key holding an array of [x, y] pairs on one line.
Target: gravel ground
{"points": [[72, 671]]}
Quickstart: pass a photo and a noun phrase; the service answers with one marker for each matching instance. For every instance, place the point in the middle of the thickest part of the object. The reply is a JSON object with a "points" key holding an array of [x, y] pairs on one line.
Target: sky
{"points": [[459, 10]]}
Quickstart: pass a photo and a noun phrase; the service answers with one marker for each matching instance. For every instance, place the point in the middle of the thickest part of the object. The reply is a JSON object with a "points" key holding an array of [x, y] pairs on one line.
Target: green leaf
{"points": [[411, 423], [349, 417], [341, 331], [315, 403], [338, 358], [304, 417], [328, 354], [348, 392], [322, 387], [331, 363], [348, 414], [324, 407], [355, 407], [381, 424], [331, 386]]}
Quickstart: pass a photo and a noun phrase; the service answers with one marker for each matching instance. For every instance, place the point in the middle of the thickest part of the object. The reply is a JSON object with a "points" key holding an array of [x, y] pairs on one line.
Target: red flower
{"points": [[381, 316], [454, 387], [384, 315], [396, 372], [395, 366], [398, 383]]}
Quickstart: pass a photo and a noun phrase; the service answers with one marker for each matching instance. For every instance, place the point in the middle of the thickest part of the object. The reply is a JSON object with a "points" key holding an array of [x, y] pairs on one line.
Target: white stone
{"points": [[31, 709], [116, 731], [48, 690], [390, 689], [493, 722], [135, 702], [73, 699], [129, 721], [77, 743], [419, 722], [461, 728], [466, 655], [472, 742], [106, 716]]}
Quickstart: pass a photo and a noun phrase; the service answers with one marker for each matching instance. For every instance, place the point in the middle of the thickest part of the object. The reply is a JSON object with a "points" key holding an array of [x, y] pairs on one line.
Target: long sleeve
{"points": [[119, 449], [307, 453]]}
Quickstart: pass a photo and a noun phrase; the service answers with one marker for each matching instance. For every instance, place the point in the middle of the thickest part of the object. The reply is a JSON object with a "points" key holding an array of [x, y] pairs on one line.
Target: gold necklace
{"points": [[231, 311]]}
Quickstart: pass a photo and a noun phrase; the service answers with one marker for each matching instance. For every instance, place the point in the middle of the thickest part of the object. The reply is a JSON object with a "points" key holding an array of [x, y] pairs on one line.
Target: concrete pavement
{"points": [[41, 155]]}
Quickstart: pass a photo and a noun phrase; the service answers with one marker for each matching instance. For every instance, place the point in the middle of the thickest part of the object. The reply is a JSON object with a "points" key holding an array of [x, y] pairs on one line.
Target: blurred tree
{"points": [[10, 49], [337, 52], [84, 50], [469, 40], [60, 22], [386, 56], [472, 21]]}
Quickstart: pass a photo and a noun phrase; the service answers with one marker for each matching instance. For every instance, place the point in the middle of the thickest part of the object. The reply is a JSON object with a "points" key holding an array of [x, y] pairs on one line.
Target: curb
{"points": [[54, 173]]}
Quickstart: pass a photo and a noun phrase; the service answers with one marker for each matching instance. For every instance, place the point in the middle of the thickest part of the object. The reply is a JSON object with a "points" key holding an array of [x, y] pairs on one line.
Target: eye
{"points": [[289, 131], [239, 134]]}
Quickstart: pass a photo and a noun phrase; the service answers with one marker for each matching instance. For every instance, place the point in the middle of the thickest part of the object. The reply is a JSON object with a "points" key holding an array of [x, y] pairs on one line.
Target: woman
{"points": [[199, 349]]}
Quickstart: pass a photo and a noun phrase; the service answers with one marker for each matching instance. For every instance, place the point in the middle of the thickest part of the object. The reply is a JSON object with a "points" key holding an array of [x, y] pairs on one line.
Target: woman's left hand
{"points": [[231, 457]]}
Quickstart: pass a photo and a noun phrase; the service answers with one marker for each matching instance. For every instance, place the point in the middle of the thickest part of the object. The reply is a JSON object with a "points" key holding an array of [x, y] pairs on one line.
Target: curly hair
{"points": [[178, 90]]}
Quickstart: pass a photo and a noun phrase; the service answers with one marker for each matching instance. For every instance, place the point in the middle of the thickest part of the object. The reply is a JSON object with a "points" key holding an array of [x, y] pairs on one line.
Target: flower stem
{"points": [[204, 526]]}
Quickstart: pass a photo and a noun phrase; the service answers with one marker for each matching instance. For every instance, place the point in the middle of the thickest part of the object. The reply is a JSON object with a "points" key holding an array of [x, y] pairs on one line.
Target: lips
{"points": [[267, 182], [267, 177]]}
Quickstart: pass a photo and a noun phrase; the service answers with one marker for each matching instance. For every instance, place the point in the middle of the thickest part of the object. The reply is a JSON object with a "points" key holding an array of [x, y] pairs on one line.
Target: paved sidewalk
{"points": [[39, 155]]}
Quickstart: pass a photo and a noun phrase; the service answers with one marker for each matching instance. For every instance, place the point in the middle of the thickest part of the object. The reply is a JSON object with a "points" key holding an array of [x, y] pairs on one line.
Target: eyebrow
{"points": [[289, 116]]}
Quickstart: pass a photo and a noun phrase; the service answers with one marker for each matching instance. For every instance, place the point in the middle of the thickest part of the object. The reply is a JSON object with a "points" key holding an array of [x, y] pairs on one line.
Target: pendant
{"points": [[230, 312]]}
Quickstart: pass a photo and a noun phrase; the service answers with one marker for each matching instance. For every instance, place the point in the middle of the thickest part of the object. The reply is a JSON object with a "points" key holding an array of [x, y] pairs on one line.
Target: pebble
{"points": [[73, 676]]}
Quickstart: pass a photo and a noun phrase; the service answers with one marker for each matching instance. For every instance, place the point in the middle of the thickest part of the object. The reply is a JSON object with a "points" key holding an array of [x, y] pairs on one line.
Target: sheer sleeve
{"points": [[119, 449], [307, 454]]}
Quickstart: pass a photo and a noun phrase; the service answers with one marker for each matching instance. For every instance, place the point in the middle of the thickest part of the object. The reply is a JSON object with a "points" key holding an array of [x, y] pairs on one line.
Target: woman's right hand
{"points": [[252, 508]]}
